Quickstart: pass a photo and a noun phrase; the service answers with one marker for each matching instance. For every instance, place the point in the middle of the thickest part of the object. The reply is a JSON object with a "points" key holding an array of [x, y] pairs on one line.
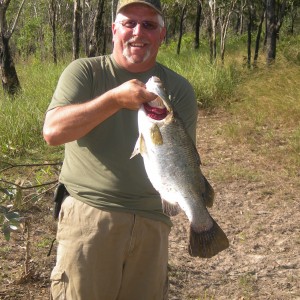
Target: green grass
{"points": [[264, 102], [22, 117], [266, 117], [214, 84]]}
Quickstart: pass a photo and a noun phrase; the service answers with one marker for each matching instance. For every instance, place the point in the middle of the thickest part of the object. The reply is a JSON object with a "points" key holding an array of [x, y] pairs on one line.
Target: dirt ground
{"points": [[260, 215]]}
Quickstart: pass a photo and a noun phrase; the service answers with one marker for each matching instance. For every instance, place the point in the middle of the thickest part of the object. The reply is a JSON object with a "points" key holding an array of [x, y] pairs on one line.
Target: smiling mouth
{"points": [[137, 45]]}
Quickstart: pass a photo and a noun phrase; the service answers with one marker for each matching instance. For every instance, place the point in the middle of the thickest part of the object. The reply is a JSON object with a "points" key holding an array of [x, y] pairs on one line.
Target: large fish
{"points": [[172, 164]]}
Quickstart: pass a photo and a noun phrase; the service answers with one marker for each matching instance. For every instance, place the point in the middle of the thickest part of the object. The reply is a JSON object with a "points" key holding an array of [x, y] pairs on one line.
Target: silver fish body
{"points": [[172, 164]]}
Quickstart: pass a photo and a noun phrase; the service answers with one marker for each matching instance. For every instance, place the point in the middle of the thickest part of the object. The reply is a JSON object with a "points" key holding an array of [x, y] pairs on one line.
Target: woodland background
{"points": [[243, 60], [51, 29]]}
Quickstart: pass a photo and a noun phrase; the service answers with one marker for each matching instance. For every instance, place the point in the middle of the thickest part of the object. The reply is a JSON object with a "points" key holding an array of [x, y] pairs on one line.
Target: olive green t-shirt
{"points": [[97, 168]]}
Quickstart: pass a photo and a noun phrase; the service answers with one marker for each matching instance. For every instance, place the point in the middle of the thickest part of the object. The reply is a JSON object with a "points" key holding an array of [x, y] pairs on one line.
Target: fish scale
{"points": [[172, 164]]}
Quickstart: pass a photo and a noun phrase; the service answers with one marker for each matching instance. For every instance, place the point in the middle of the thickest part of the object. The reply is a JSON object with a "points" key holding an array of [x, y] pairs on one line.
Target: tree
{"points": [[212, 30], [53, 17], [249, 32], [274, 17], [182, 16], [197, 24], [98, 39], [76, 28], [258, 36], [9, 77], [225, 12]]}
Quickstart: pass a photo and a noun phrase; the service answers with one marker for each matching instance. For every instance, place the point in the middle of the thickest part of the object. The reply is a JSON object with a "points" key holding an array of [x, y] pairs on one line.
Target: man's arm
{"points": [[68, 123]]}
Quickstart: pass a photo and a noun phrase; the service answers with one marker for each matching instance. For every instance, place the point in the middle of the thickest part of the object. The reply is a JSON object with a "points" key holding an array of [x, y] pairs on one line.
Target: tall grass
{"points": [[267, 113], [22, 116], [264, 102], [214, 83]]}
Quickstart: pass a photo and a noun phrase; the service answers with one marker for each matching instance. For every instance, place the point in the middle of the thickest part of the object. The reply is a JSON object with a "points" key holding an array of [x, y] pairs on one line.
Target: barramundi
{"points": [[172, 164]]}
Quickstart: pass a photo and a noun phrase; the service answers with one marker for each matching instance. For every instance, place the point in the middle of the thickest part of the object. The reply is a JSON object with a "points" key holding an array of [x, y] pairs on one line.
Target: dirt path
{"points": [[262, 221], [257, 205]]}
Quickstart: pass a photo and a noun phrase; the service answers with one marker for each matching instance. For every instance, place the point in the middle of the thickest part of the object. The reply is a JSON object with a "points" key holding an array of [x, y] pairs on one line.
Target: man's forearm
{"points": [[68, 123]]}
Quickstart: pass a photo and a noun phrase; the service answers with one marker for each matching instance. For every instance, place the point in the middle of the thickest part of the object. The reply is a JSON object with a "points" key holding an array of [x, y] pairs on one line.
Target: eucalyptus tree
{"points": [[99, 34], [212, 29], [240, 12], [76, 28], [9, 77], [197, 24], [114, 4], [259, 32], [53, 7], [183, 11], [275, 11], [294, 12], [224, 12]]}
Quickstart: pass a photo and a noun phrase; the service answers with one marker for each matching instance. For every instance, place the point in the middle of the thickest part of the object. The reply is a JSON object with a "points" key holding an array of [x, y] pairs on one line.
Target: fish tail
{"points": [[208, 243]]}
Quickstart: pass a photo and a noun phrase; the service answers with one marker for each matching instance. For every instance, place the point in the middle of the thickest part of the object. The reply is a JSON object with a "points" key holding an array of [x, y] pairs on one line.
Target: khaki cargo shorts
{"points": [[109, 255]]}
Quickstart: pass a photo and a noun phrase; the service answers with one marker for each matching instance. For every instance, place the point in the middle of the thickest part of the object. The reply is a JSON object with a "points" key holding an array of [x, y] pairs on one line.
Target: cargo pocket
{"points": [[58, 284]]}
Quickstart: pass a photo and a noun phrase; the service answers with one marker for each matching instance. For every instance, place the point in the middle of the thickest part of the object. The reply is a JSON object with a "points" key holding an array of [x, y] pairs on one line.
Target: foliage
{"points": [[213, 83], [24, 115], [255, 93], [290, 49], [9, 219], [267, 113], [22, 184]]}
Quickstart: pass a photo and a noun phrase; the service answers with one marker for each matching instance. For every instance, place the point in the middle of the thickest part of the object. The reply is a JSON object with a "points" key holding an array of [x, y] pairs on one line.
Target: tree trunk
{"points": [[114, 4], [212, 31], [197, 25], [224, 18], [9, 77], [257, 42], [249, 31], [271, 31], [76, 29], [97, 41], [53, 19], [241, 29], [183, 11]]}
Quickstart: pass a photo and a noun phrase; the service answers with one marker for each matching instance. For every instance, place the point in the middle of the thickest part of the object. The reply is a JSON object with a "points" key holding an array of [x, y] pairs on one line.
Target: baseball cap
{"points": [[155, 4]]}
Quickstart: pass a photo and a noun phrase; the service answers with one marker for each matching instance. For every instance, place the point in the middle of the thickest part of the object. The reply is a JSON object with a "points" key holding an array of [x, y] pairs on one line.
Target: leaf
{"points": [[12, 215], [13, 227], [5, 191], [6, 231], [3, 209]]}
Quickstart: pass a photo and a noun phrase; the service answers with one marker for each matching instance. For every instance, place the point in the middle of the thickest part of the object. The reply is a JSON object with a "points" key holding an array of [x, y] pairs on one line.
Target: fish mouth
{"points": [[156, 109]]}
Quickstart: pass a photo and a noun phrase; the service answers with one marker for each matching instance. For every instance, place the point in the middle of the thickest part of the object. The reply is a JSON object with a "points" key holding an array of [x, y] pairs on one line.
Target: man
{"points": [[112, 234]]}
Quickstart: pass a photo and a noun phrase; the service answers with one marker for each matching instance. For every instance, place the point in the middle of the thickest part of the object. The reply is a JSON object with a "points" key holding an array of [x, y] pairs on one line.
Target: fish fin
{"points": [[156, 136], [208, 243], [170, 209], [209, 194], [139, 147]]}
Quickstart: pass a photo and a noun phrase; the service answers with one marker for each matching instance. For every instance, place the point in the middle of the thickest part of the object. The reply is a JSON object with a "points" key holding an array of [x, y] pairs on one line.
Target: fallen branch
{"points": [[28, 187], [28, 165]]}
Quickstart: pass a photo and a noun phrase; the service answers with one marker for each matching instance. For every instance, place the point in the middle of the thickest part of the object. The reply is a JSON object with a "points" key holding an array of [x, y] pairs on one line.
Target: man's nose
{"points": [[138, 29]]}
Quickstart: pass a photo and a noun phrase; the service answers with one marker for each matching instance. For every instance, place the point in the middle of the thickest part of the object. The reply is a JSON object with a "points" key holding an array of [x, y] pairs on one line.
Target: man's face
{"points": [[136, 48]]}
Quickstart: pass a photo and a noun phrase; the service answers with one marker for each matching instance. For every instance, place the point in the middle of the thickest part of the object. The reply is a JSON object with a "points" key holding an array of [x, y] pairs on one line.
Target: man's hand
{"points": [[132, 94]]}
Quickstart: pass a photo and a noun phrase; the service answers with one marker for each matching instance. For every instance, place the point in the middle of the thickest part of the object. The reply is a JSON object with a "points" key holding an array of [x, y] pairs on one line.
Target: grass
{"points": [[213, 83], [264, 102], [266, 117], [22, 117]]}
